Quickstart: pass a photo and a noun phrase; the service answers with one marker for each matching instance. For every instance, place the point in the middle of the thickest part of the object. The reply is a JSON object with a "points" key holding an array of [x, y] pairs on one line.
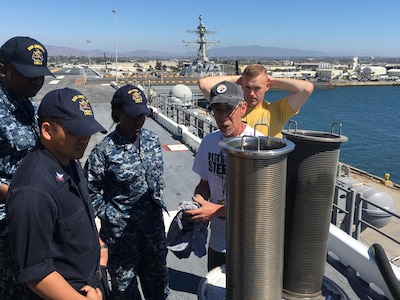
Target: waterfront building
{"points": [[373, 71], [393, 73], [329, 73]]}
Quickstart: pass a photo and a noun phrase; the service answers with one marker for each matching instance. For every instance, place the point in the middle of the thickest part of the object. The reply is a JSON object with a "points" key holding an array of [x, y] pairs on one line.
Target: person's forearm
{"points": [[3, 192], [292, 85], [300, 90], [206, 83], [103, 253], [54, 286]]}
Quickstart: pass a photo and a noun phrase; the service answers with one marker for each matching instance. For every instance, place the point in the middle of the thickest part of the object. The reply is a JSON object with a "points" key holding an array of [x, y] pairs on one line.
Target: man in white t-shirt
{"points": [[228, 107]]}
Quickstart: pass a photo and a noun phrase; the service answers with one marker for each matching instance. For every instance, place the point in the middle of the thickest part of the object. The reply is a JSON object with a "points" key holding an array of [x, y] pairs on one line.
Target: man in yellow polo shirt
{"points": [[255, 82]]}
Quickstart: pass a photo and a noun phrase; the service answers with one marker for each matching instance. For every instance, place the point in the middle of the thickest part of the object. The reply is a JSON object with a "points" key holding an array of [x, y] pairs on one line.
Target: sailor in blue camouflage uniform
{"points": [[23, 65], [125, 177]]}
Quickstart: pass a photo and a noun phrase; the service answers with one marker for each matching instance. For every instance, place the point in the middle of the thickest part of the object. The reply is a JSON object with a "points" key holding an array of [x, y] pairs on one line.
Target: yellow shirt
{"points": [[274, 114]]}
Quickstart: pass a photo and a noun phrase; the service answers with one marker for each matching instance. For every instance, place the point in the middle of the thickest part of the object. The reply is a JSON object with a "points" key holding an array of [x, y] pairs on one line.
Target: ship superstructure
{"points": [[201, 65]]}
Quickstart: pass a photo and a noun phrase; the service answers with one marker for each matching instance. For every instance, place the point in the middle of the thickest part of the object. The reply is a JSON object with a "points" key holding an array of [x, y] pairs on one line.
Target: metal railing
{"points": [[350, 217], [188, 113]]}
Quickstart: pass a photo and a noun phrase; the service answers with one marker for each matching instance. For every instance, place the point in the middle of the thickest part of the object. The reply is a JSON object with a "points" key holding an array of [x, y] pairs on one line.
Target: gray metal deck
{"points": [[185, 274]]}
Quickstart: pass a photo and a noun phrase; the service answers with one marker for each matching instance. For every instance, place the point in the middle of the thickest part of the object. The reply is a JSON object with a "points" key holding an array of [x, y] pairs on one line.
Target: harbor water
{"points": [[370, 119]]}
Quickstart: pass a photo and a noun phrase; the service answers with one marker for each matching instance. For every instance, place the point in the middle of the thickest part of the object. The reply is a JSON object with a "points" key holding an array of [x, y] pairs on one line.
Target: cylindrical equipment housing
{"points": [[311, 176], [255, 208]]}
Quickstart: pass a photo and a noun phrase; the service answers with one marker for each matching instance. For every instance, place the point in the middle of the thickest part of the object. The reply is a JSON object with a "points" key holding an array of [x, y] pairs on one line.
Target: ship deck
{"points": [[185, 274]]}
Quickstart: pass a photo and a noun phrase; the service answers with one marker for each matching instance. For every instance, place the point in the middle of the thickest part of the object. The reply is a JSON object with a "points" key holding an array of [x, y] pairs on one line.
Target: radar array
{"points": [[202, 31]]}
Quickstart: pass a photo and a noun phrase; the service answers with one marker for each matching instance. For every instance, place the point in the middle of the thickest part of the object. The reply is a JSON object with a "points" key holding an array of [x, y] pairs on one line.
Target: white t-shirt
{"points": [[210, 164]]}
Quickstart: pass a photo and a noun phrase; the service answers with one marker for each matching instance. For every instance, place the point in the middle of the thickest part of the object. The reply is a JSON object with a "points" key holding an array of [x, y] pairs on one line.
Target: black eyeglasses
{"points": [[226, 111]]}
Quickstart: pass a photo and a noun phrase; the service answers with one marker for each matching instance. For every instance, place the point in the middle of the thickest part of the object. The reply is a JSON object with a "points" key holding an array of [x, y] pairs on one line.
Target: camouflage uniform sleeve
{"points": [[160, 163], [158, 193], [153, 160], [95, 172]]}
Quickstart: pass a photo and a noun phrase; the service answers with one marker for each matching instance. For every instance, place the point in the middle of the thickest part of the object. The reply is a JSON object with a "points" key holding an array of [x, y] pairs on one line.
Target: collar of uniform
{"points": [[120, 141], [10, 103], [54, 167]]}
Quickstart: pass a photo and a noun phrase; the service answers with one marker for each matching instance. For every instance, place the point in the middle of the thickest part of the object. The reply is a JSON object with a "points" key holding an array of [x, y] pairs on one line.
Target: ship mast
{"points": [[202, 31]]}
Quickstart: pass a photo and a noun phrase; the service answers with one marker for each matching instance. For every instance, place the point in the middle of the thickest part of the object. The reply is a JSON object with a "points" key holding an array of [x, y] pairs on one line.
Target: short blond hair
{"points": [[254, 70]]}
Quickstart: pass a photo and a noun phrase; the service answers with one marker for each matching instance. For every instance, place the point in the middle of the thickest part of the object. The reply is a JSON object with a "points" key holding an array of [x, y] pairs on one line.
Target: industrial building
{"points": [[373, 71]]}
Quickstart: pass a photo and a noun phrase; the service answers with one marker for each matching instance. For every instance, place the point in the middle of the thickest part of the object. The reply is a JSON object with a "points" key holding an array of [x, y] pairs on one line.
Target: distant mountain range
{"points": [[220, 52], [258, 51]]}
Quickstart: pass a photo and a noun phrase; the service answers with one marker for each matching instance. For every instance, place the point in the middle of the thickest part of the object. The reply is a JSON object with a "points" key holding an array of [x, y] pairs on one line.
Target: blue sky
{"points": [[159, 25]]}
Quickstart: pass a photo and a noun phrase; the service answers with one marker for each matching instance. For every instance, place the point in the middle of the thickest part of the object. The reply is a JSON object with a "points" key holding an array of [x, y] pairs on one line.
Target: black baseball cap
{"points": [[132, 100], [72, 109], [27, 55], [227, 93]]}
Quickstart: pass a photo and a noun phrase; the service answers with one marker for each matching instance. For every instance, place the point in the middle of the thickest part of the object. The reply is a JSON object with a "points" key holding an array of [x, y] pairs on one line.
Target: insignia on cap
{"points": [[136, 95], [37, 54], [84, 105], [221, 89]]}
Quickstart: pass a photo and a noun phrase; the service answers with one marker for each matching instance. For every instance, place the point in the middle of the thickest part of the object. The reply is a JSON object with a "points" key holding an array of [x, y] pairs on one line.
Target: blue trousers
{"points": [[138, 253]]}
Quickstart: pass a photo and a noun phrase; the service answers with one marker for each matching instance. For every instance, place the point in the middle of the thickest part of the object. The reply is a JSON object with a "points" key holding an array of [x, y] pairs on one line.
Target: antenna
{"points": [[202, 31]]}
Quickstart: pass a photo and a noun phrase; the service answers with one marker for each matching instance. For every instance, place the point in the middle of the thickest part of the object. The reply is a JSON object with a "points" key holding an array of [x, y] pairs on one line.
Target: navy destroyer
{"points": [[201, 66]]}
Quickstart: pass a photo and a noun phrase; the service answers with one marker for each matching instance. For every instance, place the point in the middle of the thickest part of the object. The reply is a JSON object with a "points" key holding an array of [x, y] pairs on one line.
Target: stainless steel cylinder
{"points": [[311, 180], [255, 208]]}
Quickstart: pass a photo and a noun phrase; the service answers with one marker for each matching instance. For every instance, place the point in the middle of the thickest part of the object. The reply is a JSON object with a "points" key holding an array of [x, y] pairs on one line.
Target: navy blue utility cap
{"points": [[132, 100], [27, 55], [72, 109], [227, 93]]}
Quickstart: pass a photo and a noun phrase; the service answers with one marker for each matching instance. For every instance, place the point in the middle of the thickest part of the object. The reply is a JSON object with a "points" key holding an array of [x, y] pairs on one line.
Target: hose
{"points": [[386, 270]]}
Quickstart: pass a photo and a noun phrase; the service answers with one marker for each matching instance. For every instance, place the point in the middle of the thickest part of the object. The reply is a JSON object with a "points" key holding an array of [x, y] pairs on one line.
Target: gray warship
{"points": [[201, 66]]}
